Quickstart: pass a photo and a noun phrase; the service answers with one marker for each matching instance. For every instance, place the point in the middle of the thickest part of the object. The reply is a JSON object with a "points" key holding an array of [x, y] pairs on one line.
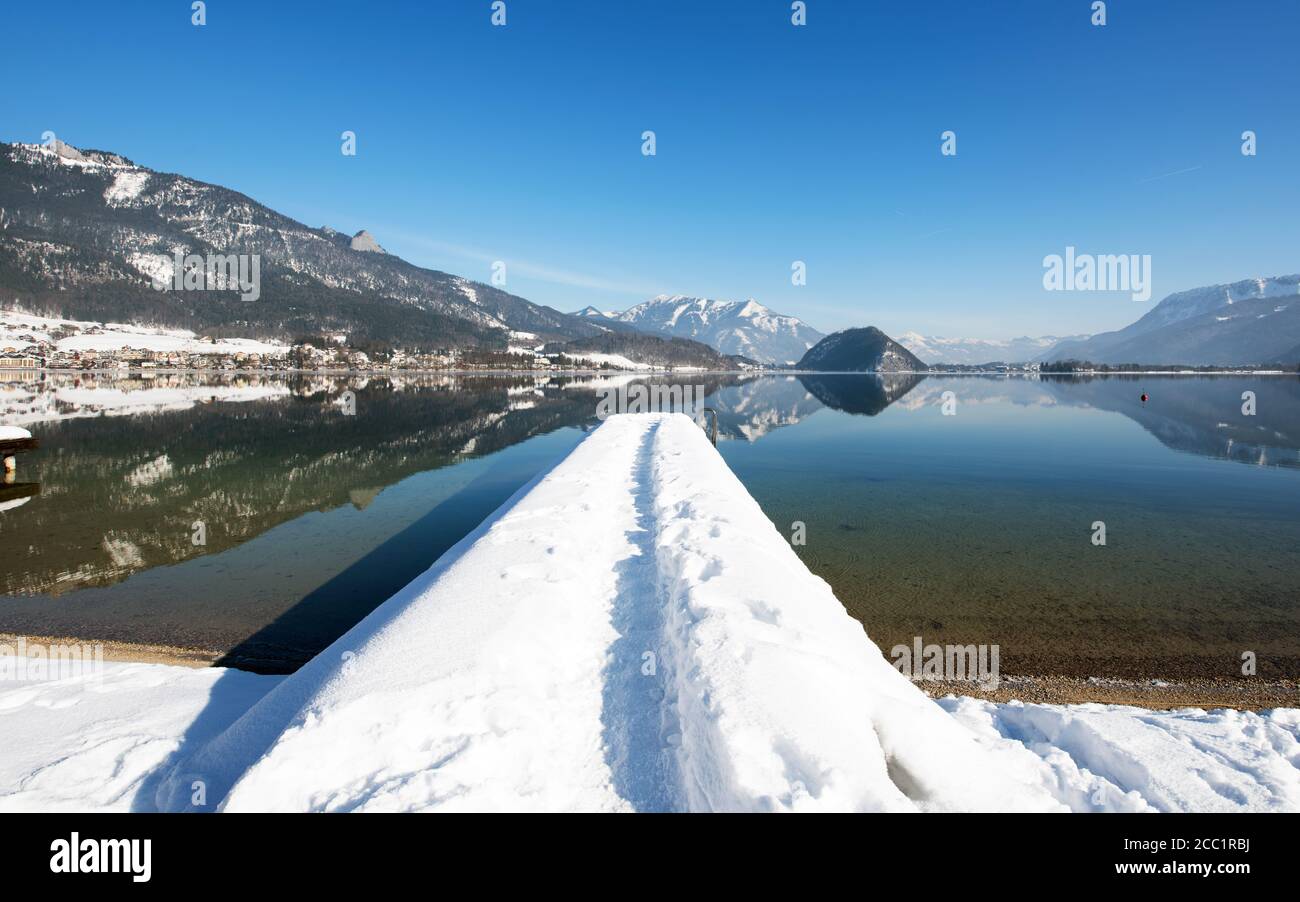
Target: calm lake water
{"points": [[975, 527]]}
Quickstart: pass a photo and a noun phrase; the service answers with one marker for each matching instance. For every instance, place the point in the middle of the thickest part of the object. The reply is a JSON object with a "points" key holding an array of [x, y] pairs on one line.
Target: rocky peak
{"points": [[364, 241]]}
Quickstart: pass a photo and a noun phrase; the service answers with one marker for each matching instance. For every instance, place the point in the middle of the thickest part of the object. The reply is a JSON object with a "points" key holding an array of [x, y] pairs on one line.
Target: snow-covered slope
{"points": [[934, 349], [23, 330], [746, 328], [103, 744], [1253, 321], [1119, 758], [85, 231], [98, 743]]}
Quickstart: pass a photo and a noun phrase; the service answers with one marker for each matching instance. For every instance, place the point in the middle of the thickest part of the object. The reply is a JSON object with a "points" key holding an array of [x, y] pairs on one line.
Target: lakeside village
{"points": [[299, 357], [311, 358]]}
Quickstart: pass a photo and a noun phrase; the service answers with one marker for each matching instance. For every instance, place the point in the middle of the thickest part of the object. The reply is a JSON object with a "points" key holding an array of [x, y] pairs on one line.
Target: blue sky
{"points": [[775, 143]]}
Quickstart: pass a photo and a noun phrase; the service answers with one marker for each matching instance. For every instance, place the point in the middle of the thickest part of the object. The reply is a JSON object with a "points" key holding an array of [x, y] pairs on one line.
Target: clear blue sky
{"points": [[775, 143]]}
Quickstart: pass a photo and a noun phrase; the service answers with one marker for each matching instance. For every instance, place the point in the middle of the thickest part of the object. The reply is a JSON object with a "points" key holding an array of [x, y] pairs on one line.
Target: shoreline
{"points": [[127, 652], [1153, 693]]}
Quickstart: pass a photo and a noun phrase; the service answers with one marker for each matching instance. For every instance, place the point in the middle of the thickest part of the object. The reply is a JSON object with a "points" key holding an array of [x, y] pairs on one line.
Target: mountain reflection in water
{"points": [[314, 510]]}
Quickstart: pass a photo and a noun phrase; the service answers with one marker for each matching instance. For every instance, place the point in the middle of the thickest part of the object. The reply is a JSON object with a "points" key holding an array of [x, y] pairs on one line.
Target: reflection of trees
{"points": [[121, 493]]}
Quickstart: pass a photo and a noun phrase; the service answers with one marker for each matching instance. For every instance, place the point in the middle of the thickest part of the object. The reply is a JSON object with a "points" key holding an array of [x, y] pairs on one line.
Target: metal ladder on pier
{"points": [[713, 432]]}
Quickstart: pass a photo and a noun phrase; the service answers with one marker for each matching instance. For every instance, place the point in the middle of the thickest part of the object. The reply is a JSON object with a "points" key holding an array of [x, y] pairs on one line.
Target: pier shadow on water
{"points": [[314, 624]]}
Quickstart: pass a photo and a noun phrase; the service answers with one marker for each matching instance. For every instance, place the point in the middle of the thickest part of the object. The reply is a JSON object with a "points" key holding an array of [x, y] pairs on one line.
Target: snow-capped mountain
{"points": [[83, 233], [936, 350], [746, 328], [1248, 322]]}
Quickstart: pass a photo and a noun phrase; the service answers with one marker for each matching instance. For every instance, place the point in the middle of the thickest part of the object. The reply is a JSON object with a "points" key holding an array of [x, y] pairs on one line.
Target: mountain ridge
{"points": [[82, 234], [735, 328], [1251, 321], [937, 350]]}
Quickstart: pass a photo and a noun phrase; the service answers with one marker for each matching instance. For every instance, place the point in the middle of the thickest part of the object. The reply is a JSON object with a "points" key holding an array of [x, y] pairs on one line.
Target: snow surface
{"points": [[618, 361], [1118, 758], [628, 633], [21, 330], [126, 187], [96, 743], [9, 433]]}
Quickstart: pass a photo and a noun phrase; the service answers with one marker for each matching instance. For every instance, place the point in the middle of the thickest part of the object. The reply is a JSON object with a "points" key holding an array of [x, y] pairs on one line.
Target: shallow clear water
{"points": [[978, 527], [973, 528]]}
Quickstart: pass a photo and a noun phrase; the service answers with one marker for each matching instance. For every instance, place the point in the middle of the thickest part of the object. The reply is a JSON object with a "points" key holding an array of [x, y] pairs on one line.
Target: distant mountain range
{"points": [[1249, 322], [1254, 321], [744, 328], [937, 351], [83, 232], [860, 351]]}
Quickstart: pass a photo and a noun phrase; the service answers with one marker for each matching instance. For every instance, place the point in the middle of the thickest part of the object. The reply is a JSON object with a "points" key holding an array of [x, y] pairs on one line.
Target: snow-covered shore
{"points": [[26, 330], [628, 633]]}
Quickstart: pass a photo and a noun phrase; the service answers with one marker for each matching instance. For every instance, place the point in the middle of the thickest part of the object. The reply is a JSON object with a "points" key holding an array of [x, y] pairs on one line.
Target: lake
{"points": [[260, 518]]}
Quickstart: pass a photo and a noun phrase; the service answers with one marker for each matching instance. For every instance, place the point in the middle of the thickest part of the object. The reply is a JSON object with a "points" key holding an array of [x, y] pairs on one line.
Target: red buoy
{"points": [[1144, 397]]}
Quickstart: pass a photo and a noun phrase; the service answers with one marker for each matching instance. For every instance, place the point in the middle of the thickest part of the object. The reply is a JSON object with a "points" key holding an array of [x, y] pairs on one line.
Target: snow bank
{"points": [[1119, 758], [97, 743]]}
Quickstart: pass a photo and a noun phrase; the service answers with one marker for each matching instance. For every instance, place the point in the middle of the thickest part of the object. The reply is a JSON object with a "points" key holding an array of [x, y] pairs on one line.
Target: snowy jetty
{"points": [[632, 633], [628, 633]]}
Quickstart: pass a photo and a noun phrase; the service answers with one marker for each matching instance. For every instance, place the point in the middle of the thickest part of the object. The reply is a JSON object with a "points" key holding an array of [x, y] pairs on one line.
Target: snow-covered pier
{"points": [[628, 633]]}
